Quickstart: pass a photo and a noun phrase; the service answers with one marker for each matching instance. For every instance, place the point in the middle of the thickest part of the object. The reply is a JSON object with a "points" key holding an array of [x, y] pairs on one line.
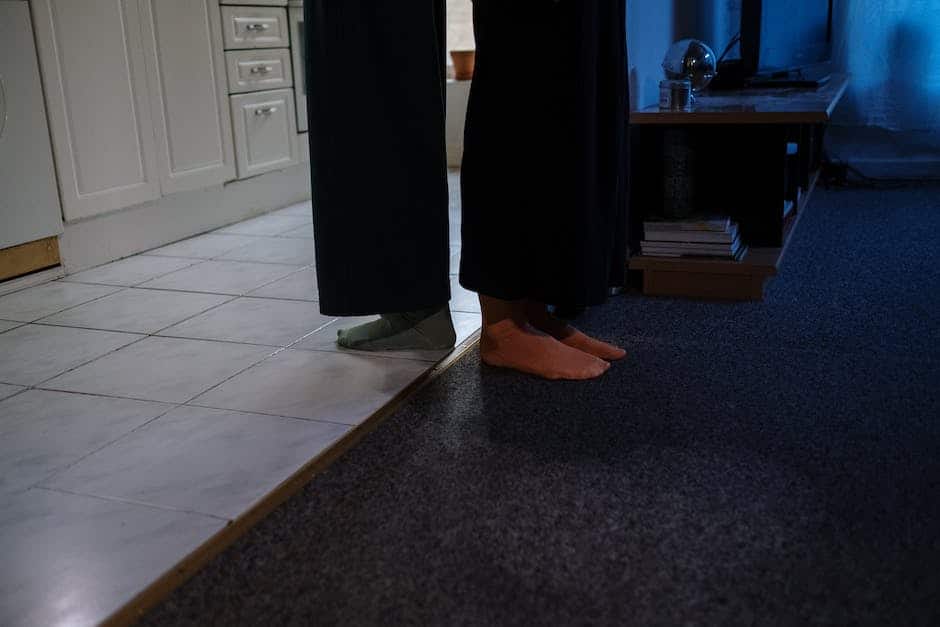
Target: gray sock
{"points": [[424, 329]]}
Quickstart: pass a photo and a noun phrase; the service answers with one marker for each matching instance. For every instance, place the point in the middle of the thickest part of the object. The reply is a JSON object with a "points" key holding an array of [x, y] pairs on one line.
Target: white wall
{"points": [[650, 31]]}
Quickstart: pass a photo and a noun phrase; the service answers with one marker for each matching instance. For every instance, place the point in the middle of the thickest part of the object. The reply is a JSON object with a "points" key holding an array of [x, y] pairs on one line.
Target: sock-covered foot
{"points": [[507, 344], [570, 336], [426, 329]]}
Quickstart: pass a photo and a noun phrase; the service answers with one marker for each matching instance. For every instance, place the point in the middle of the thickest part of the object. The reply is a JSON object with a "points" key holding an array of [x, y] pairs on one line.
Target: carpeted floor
{"points": [[773, 463]]}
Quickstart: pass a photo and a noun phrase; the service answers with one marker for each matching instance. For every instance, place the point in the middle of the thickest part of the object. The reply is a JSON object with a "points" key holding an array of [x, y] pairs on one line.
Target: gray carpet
{"points": [[773, 463]]}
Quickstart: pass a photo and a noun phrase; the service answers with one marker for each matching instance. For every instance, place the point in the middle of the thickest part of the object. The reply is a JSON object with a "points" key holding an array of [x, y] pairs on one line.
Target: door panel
{"points": [[186, 70], [29, 201], [98, 103]]}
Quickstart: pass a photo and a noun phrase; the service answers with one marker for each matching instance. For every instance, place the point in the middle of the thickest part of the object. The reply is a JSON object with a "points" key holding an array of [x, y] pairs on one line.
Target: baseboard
{"points": [[98, 240], [28, 258], [30, 280], [887, 154]]}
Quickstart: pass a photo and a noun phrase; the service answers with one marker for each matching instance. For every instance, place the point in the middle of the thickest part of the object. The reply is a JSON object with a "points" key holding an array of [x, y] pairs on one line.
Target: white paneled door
{"points": [[186, 70], [92, 58]]}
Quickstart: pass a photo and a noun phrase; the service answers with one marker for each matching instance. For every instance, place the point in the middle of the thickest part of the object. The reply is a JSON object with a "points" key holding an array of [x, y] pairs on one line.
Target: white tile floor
{"points": [[146, 403]]}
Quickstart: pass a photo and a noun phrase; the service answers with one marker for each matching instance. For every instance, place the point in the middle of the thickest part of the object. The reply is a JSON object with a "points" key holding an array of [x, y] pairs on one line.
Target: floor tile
{"points": [[316, 385], [44, 300], [465, 324], [137, 310], [201, 460], [300, 285], [462, 299], [297, 252], [203, 246], [74, 560], [9, 390], [6, 325], [42, 432], [131, 271], [302, 232], [255, 321], [265, 225], [222, 277], [161, 369], [33, 353], [302, 209]]}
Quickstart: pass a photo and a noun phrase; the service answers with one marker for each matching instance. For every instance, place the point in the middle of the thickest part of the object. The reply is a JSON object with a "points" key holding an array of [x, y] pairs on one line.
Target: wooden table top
{"points": [[754, 106]]}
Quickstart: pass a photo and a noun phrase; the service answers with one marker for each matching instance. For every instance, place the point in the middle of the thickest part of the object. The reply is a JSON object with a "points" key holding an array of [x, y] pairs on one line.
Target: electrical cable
{"points": [[734, 40]]}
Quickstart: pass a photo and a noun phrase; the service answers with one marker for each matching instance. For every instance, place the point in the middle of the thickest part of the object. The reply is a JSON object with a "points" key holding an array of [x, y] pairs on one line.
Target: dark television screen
{"points": [[794, 34]]}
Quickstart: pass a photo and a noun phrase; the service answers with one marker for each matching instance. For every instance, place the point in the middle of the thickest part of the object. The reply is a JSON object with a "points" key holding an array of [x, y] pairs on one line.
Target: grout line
{"points": [[189, 565], [278, 351], [66, 279], [283, 298], [203, 312], [375, 354], [115, 499], [216, 340], [45, 388], [110, 352], [58, 325], [58, 471], [350, 425], [117, 290]]}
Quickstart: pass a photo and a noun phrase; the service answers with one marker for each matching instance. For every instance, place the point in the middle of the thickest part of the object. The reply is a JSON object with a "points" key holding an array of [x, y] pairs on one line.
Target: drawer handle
{"points": [[261, 69], [257, 27], [265, 111]]}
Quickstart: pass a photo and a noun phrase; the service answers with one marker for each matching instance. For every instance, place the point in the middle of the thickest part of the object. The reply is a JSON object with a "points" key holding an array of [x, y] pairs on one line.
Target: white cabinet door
{"points": [[265, 131], [186, 70], [29, 201], [98, 103]]}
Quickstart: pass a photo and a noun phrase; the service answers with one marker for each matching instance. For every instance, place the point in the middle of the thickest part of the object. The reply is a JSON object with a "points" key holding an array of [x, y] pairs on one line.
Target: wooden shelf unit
{"points": [[718, 278], [742, 166]]}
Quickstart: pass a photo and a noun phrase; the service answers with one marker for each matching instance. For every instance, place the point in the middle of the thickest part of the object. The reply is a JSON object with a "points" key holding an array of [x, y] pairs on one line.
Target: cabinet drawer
{"points": [[255, 27], [265, 130], [257, 70]]}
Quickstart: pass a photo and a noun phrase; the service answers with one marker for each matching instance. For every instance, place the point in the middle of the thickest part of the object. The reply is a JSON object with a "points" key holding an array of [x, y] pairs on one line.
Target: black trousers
{"points": [[545, 164], [545, 153], [376, 105]]}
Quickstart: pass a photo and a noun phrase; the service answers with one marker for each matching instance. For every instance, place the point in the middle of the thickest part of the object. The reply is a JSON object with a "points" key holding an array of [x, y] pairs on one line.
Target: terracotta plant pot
{"points": [[463, 64]]}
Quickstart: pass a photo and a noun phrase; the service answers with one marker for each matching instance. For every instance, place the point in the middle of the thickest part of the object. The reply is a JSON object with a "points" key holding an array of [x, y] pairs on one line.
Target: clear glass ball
{"points": [[693, 60]]}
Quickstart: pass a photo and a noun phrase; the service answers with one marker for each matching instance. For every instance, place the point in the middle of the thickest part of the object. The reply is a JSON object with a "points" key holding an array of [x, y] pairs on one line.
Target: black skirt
{"points": [[545, 163], [376, 89]]}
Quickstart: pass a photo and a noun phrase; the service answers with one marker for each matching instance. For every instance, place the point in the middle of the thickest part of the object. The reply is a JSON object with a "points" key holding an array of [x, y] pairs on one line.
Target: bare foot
{"points": [[507, 344], [569, 336]]}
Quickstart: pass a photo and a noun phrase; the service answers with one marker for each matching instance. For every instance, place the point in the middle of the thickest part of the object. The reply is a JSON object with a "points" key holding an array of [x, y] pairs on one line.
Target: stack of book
{"points": [[698, 237]]}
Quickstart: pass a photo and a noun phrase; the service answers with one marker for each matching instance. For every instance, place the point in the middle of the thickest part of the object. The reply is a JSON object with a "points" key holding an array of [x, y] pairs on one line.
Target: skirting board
{"points": [[112, 236], [24, 259]]}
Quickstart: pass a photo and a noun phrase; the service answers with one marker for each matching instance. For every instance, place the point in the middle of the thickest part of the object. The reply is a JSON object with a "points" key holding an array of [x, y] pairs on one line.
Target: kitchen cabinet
{"points": [[29, 202], [92, 58], [187, 79], [137, 99], [265, 131]]}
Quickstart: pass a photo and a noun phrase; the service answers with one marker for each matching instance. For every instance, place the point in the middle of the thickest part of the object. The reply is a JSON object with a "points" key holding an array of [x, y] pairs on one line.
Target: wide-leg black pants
{"points": [[544, 170], [376, 106]]}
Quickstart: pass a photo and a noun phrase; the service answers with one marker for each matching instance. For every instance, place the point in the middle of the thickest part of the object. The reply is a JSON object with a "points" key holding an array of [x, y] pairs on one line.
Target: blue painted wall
{"points": [[650, 31], [891, 48]]}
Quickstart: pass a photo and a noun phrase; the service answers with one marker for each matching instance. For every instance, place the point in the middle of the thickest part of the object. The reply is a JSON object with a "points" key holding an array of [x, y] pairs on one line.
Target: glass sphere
{"points": [[693, 60]]}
